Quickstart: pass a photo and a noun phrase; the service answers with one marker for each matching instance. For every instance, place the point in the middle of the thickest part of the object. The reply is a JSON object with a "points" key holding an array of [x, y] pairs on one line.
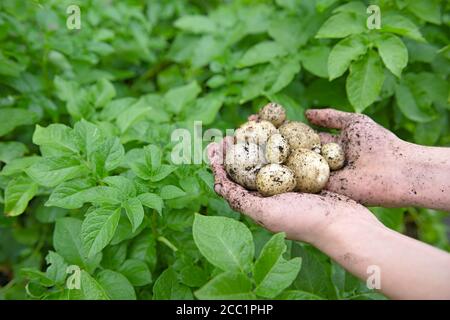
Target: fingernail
{"points": [[218, 187]]}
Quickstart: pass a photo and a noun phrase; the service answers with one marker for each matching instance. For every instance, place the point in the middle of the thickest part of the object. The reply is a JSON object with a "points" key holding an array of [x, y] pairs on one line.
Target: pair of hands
{"points": [[370, 176]]}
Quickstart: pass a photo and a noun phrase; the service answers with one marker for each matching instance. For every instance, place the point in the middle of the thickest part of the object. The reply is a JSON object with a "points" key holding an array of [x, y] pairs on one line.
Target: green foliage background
{"points": [[86, 117]]}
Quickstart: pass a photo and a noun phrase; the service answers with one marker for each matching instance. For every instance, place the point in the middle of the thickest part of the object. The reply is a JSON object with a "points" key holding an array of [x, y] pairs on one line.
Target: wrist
{"points": [[344, 223], [425, 179]]}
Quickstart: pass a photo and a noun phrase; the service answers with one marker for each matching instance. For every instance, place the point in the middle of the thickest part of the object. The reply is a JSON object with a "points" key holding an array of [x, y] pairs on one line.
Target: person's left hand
{"points": [[301, 216]]}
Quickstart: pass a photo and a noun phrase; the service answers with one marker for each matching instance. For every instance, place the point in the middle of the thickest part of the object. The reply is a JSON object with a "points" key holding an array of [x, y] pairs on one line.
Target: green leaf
{"points": [[16, 166], [9, 67], [11, 150], [116, 285], [365, 81], [113, 256], [92, 290], [57, 269], [107, 156], [125, 185], [272, 273], [343, 53], [290, 32], [89, 136], [136, 272], [193, 276], [227, 286], [206, 108], [143, 247], [103, 195], [132, 115], [342, 25], [393, 218], [49, 215], [196, 24], [56, 136], [171, 192], [152, 157], [135, 212], [352, 6], [104, 91], [18, 193], [52, 171], [224, 242], [368, 296], [37, 276], [70, 194], [67, 242], [393, 53], [177, 98], [315, 59], [401, 25], [261, 53], [408, 105], [98, 229], [427, 10], [16, 117], [162, 172], [207, 49], [297, 295], [315, 274], [168, 287], [345, 283], [152, 200], [286, 74]]}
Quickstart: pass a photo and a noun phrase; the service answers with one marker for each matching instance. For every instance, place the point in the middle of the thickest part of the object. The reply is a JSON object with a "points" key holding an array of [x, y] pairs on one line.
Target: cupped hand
{"points": [[301, 216], [376, 160]]}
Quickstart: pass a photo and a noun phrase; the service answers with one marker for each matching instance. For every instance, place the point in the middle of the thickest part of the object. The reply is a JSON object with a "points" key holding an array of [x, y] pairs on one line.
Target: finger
{"points": [[216, 151], [215, 154], [253, 117], [328, 137], [238, 197], [329, 118]]}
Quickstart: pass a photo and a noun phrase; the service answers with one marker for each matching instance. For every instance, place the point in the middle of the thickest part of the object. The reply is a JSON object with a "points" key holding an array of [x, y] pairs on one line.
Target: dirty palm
{"points": [[93, 206]]}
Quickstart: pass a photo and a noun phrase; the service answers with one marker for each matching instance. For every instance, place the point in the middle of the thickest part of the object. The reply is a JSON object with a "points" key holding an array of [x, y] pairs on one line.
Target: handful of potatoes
{"points": [[273, 155]]}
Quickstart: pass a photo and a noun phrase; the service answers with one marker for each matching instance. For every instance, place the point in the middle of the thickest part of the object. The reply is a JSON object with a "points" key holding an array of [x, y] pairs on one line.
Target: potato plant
{"points": [[92, 206]]}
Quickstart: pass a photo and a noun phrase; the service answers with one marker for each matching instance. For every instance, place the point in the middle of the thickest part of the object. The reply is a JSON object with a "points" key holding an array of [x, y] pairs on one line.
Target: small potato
{"points": [[274, 113], [242, 163], [300, 135], [334, 154], [275, 179], [277, 149], [311, 170], [255, 132]]}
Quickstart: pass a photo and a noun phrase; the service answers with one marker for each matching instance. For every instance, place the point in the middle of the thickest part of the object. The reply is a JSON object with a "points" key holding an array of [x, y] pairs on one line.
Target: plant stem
{"points": [[167, 243]]}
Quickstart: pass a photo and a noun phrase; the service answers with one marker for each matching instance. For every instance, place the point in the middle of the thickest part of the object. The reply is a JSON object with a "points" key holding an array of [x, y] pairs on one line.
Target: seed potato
{"points": [[277, 149], [274, 113], [311, 170], [275, 161], [275, 179], [242, 163], [334, 154], [255, 131], [300, 135]]}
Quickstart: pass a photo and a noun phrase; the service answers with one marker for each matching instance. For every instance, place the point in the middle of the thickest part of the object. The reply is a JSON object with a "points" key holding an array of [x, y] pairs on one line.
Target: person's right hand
{"points": [[380, 169]]}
